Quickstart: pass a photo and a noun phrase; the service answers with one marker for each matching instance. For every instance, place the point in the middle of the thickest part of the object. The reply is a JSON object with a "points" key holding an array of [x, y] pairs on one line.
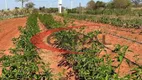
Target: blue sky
{"points": [[47, 3]]}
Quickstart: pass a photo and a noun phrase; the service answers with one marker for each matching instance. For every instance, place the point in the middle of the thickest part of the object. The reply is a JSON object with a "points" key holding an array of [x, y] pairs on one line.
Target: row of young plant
{"points": [[48, 21], [25, 63], [78, 41], [134, 23], [89, 65]]}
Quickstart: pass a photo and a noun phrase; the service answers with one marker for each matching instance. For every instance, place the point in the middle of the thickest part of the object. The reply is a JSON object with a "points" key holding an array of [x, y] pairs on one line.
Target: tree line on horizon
{"points": [[98, 4], [91, 5], [123, 4]]}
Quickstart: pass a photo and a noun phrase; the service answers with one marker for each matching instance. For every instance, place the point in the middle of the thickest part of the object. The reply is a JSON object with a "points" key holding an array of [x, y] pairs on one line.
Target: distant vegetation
{"points": [[122, 13], [25, 64]]}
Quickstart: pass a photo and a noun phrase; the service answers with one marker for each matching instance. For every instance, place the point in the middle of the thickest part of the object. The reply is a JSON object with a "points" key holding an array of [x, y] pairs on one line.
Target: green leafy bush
{"points": [[48, 21], [75, 41], [25, 63], [89, 65], [133, 23]]}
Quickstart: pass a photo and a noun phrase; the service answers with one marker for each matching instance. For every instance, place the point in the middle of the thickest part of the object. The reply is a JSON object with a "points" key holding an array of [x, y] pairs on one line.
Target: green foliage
{"points": [[49, 22], [133, 23], [63, 38], [72, 11], [25, 63], [89, 66], [120, 50], [100, 4], [121, 3], [30, 5], [113, 12], [91, 5], [75, 41], [48, 10]]}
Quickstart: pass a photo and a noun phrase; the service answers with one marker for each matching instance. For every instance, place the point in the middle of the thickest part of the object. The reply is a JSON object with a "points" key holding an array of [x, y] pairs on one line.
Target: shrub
{"points": [[121, 3]]}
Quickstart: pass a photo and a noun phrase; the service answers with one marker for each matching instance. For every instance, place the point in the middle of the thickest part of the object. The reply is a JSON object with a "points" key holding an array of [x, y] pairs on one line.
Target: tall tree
{"points": [[122, 3], [22, 1], [136, 2], [91, 5], [30, 5], [100, 4]]}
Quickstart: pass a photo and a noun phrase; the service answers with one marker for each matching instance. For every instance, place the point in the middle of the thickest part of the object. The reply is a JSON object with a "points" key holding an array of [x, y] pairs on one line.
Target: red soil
{"points": [[52, 55], [9, 30], [134, 56], [38, 41]]}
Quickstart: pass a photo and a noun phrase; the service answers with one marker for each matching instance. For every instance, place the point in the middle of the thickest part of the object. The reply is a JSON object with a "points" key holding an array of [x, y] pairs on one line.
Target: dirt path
{"points": [[131, 33], [9, 30]]}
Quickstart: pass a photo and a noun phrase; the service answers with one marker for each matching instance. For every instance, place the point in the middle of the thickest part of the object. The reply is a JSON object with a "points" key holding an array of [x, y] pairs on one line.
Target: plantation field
{"points": [[70, 47], [114, 35], [9, 30]]}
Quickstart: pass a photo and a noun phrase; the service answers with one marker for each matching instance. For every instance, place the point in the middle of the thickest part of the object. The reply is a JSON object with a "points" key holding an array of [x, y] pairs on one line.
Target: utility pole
{"points": [[60, 6], [5, 4]]}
